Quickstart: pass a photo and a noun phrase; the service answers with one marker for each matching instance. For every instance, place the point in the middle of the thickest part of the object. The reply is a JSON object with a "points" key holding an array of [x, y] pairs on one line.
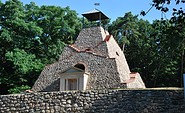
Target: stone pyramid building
{"points": [[94, 61]]}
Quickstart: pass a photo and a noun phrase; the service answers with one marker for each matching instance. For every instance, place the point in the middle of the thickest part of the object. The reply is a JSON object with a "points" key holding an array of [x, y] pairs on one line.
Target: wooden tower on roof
{"points": [[95, 15]]}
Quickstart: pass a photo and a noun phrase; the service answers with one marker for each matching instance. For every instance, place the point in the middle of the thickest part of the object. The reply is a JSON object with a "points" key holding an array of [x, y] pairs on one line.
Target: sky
{"points": [[111, 8]]}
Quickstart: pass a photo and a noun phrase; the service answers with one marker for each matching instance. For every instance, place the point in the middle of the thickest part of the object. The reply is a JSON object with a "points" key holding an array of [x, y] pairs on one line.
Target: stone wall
{"points": [[94, 38], [97, 101], [104, 73]]}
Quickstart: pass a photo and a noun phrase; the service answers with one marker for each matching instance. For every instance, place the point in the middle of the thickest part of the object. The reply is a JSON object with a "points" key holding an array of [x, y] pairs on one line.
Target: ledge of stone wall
{"points": [[149, 100], [157, 89]]}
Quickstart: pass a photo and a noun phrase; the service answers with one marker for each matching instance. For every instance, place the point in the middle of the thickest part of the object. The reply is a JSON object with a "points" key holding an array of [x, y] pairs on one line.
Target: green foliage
{"points": [[163, 6], [59, 27], [23, 62], [31, 37], [19, 89], [124, 28]]}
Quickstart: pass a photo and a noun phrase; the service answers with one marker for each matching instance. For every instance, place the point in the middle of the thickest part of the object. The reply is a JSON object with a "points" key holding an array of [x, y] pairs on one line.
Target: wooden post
{"points": [[100, 19]]}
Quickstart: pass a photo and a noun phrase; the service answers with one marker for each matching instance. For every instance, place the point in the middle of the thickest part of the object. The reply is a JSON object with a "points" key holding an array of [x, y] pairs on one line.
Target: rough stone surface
{"points": [[95, 101], [102, 58]]}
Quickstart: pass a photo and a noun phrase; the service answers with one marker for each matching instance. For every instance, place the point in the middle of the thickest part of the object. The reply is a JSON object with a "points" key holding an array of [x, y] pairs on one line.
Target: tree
{"points": [[162, 5], [24, 70], [30, 38], [60, 26], [177, 19], [124, 28], [15, 32]]}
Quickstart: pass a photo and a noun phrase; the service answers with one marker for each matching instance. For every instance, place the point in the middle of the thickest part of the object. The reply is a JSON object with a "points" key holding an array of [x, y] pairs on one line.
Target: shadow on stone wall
{"points": [[54, 86]]}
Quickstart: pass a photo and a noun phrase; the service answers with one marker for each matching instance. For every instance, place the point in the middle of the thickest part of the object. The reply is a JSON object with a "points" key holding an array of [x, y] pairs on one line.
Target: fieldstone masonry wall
{"points": [[97, 101], [103, 60], [49, 78]]}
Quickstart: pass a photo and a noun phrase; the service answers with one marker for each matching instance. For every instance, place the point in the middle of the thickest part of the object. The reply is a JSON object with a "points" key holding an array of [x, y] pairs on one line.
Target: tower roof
{"points": [[95, 15]]}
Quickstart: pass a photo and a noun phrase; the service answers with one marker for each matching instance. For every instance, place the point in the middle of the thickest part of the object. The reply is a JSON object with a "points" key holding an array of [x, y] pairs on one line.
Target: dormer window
{"points": [[74, 78]]}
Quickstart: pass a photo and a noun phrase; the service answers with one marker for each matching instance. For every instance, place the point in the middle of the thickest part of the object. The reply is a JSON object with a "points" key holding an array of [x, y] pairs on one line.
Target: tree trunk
{"points": [[123, 47]]}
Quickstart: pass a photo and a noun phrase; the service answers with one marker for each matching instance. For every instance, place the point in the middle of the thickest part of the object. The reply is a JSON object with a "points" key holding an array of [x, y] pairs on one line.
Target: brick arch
{"points": [[81, 65]]}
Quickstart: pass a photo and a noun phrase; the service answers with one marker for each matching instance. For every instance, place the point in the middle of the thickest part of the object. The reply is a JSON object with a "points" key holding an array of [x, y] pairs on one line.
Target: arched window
{"points": [[80, 66]]}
